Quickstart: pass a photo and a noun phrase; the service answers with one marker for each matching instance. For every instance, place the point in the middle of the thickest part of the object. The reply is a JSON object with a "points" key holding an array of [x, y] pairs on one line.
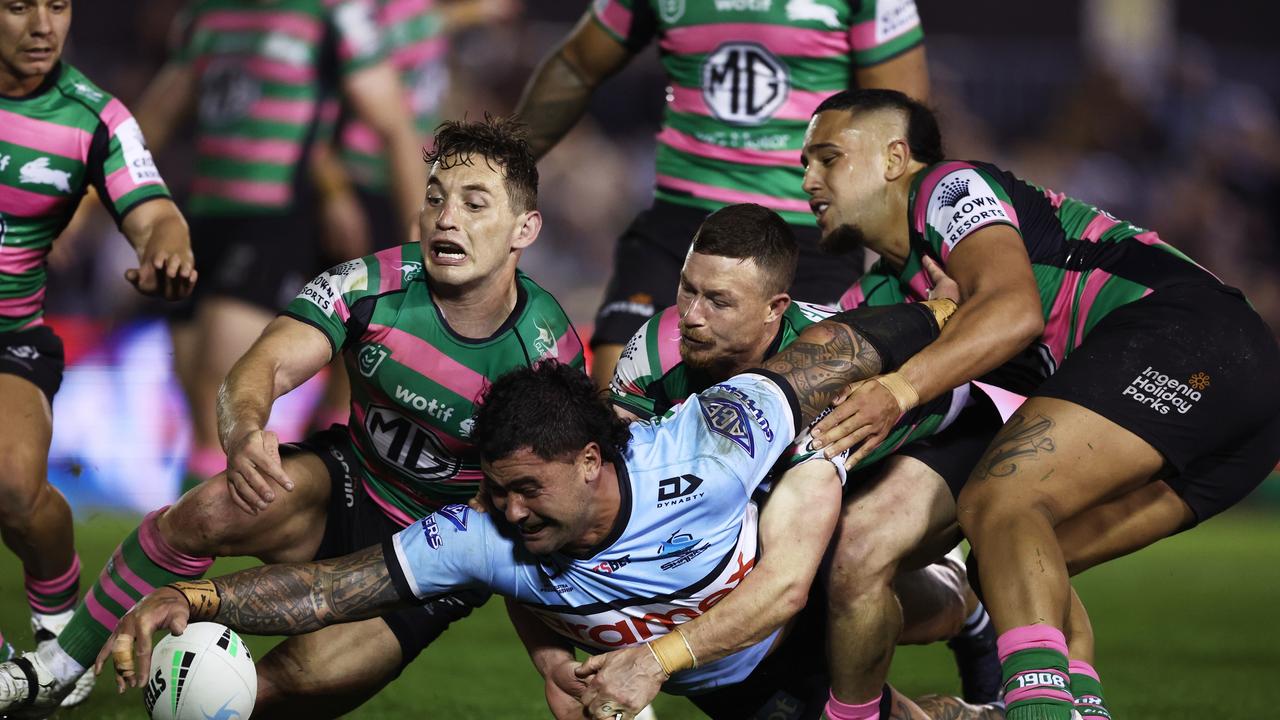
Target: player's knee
{"points": [[205, 522], [986, 514], [22, 483], [864, 562]]}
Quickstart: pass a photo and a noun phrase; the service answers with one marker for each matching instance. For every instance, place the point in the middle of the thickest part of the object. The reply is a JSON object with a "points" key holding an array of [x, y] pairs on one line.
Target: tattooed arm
{"points": [[287, 599], [558, 93]]}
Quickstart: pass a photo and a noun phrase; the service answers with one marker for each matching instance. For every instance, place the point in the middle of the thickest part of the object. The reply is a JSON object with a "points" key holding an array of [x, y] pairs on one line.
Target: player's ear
{"points": [[778, 305], [897, 158], [590, 460], [528, 225]]}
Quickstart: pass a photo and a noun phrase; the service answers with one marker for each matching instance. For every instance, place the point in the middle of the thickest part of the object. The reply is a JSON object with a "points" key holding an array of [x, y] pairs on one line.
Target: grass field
{"points": [[1186, 629]]}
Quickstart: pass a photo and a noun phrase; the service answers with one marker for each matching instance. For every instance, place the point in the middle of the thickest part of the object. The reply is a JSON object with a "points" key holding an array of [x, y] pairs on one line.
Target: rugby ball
{"points": [[206, 673]]}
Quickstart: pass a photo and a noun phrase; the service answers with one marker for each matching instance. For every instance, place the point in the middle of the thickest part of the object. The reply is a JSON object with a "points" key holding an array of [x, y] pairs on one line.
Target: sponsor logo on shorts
{"points": [[23, 352], [782, 706], [348, 483], [1162, 393], [678, 490]]}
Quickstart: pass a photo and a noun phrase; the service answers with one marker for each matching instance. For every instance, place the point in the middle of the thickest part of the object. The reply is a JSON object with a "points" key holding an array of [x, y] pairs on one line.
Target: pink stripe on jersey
{"points": [[1092, 286], [120, 183], [863, 35], [669, 339], [687, 143], [417, 54], [397, 11], [281, 72], [1058, 325], [926, 189], [24, 203], [389, 276], [726, 195], [160, 552], [16, 260], [19, 306], [285, 152], [396, 514], [1097, 226], [1055, 198], [253, 192], [427, 360], [361, 138], [567, 346], [100, 614], [787, 41], [918, 286], [799, 104], [44, 137], [298, 25], [115, 113], [286, 111], [852, 298], [615, 17]]}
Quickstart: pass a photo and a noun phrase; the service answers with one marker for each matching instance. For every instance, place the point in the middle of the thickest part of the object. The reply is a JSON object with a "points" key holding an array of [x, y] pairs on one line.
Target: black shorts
{"points": [[34, 355], [263, 261], [1190, 369], [953, 452], [355, 522], [650, 253], [791, 683]]}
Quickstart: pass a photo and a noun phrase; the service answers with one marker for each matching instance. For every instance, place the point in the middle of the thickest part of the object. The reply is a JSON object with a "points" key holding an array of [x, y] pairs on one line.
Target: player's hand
{"points": [[620, 682], [253, 468], [943, 285], [166, 268], [864, 412], [564, 692], [130, 645]]}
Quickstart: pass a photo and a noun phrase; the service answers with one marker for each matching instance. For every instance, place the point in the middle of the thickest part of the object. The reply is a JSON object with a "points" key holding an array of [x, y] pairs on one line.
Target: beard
{"points": [[842, 239]]}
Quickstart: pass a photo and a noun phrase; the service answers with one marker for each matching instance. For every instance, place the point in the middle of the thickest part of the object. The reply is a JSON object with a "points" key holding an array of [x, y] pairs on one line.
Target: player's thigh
{"points": [[206, 522], [1056, 458], [1122, 525], [24, 444], [901, 512], [328, 672]]}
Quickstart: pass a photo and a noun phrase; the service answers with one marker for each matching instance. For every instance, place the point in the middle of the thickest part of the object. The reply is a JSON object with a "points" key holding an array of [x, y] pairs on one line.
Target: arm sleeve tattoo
{"points": [[291, 599]]}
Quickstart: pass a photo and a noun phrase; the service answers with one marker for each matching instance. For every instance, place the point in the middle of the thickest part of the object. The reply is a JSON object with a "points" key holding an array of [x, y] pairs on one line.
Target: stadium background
{"points": [[1164, 113]]}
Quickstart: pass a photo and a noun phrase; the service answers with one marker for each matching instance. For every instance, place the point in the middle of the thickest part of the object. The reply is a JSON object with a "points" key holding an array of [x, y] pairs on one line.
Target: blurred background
{"points": [[1164, 112]]}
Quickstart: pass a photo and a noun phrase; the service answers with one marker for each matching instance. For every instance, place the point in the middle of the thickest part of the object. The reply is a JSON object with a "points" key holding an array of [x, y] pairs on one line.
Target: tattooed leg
{"points": [[942, 707]]}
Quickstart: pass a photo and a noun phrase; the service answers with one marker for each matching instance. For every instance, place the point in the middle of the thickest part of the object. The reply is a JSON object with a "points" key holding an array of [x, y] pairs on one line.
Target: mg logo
{"points": [[227, 92], [409, 447], [744, 84]]}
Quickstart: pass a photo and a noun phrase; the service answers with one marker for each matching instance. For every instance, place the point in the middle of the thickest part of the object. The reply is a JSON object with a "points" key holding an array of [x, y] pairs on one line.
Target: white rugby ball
{"points": [[206, 673]]}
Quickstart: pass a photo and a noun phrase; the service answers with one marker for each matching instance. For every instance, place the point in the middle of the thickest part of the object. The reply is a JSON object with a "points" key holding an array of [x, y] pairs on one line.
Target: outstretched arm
{"points": [[558, 93], [288, 599]]}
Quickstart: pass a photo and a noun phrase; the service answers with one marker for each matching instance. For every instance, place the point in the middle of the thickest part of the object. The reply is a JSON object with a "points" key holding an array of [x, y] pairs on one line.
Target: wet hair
{"points": [[501, 142], [552, 409], [923, 137], [752, 232]]}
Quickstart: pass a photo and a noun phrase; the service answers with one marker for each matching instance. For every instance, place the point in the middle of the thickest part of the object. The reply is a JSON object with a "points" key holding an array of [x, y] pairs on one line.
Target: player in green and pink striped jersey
{"points": [[744, 77], [421, 327], [59, 136], [252, 75], [1152, 400]]}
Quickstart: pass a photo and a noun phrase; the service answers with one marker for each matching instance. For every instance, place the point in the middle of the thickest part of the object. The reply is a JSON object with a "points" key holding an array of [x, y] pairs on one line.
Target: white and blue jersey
{"points": [[685, 534]]}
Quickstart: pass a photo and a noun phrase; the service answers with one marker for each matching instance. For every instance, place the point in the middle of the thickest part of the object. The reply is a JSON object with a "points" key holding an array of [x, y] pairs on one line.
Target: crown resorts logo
{"points": [[953, 191]]}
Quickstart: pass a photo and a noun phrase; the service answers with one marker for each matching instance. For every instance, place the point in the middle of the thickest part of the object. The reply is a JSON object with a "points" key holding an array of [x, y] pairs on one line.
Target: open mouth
{"points": [[447, 253], [819, 207], [42, 53]]}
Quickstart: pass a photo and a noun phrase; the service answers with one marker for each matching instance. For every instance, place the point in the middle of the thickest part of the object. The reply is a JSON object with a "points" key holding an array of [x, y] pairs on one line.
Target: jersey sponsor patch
{"points": [[356, 23], [744, 84], [408, 446], [960, 204], [321, 293], [137, 157], [678, 490], [729, 419], [895, 17]]}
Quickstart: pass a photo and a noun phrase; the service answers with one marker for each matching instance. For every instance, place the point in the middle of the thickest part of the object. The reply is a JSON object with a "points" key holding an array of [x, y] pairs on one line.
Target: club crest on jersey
{"points": [[456, 514], [678, 542], [370, 357], [729, 419], [744, 84], [38, 172], [670, 10], [409, 447], [545, 343], [812, 10]]}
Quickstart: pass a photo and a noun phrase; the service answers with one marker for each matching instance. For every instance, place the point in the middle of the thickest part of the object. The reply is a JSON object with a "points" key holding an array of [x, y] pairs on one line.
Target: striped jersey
{"points": [[413, 33], [54, 143], [651, 379], [745, 76], [1086, 262], [414, 381], [262, 70], [686, 534]]}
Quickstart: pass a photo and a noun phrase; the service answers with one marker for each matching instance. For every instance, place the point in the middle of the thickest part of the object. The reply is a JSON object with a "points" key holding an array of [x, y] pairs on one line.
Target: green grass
{"points": [[1185, 630]]}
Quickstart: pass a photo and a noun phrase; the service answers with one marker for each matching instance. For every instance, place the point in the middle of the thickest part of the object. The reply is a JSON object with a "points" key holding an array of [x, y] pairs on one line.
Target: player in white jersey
{"points": [[609, 534]]}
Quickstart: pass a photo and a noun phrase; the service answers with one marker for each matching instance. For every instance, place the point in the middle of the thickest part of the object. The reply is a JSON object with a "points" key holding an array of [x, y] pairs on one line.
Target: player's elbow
{"points": [[1027, 323]]}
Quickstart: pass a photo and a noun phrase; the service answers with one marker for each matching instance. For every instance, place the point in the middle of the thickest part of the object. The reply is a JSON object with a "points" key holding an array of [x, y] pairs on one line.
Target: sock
{"points": [[55, 595], [1087, 689], [837, 710], [976, 622], [143, 562], [202, 464], [1036, 682], [6, 650]]}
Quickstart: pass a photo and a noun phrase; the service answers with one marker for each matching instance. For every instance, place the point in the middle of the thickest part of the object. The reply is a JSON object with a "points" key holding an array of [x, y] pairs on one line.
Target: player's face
{"points": [[470, 231], [844, 157], [547, 501], [724, 311], [32, 33]]}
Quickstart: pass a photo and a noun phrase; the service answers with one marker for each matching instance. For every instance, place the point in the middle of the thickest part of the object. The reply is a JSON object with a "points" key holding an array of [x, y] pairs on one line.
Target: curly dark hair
{"points": [[551, 408], [501, 141]]}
